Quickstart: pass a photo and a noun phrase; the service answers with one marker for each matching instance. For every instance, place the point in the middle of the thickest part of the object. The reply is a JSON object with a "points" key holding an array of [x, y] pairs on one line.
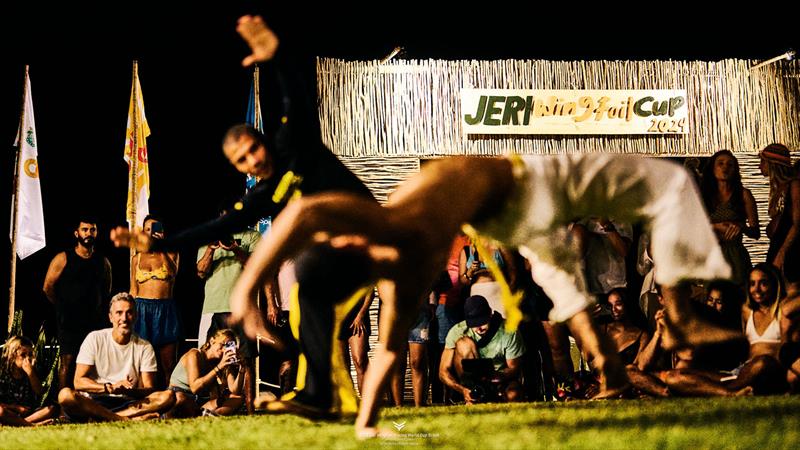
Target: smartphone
{"points": [[157, 227], [231, 346]]}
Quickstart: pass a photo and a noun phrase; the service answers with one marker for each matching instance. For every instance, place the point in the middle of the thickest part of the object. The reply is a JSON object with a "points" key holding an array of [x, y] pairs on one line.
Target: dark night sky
{"points": [[194, 88]]}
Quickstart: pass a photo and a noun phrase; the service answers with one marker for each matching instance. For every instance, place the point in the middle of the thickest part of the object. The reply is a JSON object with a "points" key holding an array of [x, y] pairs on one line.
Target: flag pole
{"points": [[134, 169], [12, 290]]}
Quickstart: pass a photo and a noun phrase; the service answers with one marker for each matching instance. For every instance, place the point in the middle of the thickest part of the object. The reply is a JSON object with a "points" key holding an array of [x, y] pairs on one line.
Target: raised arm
{"points": [[302, 222]]}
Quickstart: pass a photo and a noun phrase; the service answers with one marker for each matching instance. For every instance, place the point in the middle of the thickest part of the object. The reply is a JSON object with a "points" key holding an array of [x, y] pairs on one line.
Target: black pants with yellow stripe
{"points": [[330, 283]]}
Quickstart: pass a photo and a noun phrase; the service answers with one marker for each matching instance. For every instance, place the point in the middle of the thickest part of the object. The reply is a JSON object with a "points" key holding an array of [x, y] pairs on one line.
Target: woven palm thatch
{"points": [[412, 108], [381, 119]]}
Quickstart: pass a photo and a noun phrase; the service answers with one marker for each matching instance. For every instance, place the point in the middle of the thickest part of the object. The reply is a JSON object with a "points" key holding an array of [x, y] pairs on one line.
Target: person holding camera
{"points": [[152, 282], [219, 264], [482, 335], [209, 381]]}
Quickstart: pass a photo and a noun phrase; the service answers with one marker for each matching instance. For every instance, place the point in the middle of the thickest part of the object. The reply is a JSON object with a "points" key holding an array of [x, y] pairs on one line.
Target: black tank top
{"points": [[80, 292]]}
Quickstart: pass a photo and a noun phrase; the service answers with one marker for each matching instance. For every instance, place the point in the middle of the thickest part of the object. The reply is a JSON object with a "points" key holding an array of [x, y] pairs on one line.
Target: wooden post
{"points": [[12, 290]]}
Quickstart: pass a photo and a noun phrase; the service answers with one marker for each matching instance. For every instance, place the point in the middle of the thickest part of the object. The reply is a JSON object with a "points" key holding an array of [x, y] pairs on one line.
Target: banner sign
{"points": [[565, 111]]}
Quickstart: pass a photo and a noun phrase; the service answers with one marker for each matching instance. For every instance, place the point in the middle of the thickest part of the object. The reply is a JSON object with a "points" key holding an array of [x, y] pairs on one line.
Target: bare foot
{"points": [[611, 393], [743, 392], [263, 399]]}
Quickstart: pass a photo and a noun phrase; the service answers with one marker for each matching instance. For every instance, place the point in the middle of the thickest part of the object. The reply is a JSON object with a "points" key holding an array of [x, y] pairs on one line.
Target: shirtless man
{"points": [[521, 203]]}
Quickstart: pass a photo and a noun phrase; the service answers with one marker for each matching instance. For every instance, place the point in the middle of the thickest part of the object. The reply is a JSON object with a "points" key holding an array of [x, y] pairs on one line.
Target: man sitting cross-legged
{"points": [[116, 372]]}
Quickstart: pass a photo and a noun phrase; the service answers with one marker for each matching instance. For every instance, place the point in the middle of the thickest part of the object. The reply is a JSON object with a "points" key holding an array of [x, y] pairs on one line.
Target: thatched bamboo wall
{"points": [[382, 119]]}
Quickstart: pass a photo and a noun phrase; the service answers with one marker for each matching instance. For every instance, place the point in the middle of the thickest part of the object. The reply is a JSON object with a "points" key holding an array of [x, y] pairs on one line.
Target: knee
{"points": [[672, 377], [360, 363], [418, 364], [66, 397], [164, 399]]}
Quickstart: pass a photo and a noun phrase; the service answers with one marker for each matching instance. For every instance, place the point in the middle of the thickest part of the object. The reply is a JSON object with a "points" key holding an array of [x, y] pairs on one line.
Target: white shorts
{"points": [[552, 191]]}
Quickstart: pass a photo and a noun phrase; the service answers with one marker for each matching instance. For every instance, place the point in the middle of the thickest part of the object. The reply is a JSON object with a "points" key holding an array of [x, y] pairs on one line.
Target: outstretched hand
{"points": [[262, 41], [135, 239], [245, 313]]}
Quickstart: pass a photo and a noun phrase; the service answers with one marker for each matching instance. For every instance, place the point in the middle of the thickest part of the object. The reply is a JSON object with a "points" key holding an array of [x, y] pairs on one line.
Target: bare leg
{"points": [[75, 404], [419, 372], [184, 406], [558, 338], [42, 414], [9, 417], [153, 403], [684, 329], [763, 373], [227, 407], [397, 384], [613, 379], [167, 357], [359, 348], [694, 385], [647, 383]]}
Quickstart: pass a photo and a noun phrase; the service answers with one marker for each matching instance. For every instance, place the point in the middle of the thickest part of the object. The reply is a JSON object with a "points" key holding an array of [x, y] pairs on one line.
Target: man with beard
{"points": [[77, 282]]}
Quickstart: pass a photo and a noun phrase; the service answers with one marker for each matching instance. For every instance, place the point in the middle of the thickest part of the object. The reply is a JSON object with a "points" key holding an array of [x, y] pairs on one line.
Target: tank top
{"points": [[79, 293]]}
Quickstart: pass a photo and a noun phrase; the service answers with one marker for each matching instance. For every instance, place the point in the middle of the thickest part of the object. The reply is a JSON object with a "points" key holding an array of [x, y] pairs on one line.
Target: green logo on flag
{"points": [[29, 139]]}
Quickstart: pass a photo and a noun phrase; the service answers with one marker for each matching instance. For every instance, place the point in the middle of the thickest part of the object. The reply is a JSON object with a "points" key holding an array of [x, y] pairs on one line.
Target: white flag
{"points": [[30, 218]]}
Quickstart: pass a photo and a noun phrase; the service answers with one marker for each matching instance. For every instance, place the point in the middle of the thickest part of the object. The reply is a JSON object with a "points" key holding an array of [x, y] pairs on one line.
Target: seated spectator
{"points": [[761, 324], [790, 347], [116, 372], [629, 337], [20, 387], [209, 380], [651, 377], [483, 335]]}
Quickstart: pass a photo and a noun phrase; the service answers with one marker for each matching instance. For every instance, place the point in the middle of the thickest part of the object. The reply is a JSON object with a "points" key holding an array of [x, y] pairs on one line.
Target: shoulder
{"points": [[60, 258]]}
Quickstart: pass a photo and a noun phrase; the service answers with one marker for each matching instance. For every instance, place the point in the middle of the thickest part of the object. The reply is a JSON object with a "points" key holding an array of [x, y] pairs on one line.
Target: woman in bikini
{"points": [[152, 281], [761, 324]]}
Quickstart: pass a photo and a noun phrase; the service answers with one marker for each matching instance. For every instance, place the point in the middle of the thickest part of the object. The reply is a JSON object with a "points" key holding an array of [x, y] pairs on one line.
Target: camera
{"points": [[230, 241], [231, 346], [157, 227], [486, 391]]}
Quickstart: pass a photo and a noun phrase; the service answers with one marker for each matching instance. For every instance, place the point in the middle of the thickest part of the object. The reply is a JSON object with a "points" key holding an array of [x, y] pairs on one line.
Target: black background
{"points": [[194, 88]]}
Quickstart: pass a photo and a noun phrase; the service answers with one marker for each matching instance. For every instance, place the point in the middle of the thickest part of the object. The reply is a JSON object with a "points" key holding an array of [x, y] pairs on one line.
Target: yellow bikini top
{"points": [[162, 273]]}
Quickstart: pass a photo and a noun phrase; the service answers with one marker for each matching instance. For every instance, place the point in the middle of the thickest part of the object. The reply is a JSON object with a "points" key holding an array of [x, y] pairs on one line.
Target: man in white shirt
{"points": [[115, 372]]}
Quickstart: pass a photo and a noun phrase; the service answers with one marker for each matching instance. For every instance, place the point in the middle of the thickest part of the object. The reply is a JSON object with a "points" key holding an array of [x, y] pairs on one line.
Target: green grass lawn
{"points": [[753, 422]]}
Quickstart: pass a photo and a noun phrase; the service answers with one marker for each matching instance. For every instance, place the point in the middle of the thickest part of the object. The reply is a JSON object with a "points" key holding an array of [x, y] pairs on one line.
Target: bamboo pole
{"points": [[134, 158], [12, 290]]}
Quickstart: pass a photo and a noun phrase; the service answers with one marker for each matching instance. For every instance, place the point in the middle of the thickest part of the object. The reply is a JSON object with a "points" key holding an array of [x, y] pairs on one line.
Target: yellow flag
{"points": [[136, 156]]}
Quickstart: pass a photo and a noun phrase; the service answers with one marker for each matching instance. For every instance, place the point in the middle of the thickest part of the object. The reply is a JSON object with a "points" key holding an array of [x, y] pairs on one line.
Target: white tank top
{"points": [[772, 334]]}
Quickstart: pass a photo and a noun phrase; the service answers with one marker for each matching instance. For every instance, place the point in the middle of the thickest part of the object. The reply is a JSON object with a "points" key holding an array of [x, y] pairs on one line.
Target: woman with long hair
{"points": [[152, 282], [20, 387], [761, 315], [209, 380], [732, 211], [784, 213]]}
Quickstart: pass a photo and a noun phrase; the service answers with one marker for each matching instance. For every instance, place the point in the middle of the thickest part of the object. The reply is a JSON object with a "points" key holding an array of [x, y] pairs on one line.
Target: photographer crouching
{"points": [[481, 360]]}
